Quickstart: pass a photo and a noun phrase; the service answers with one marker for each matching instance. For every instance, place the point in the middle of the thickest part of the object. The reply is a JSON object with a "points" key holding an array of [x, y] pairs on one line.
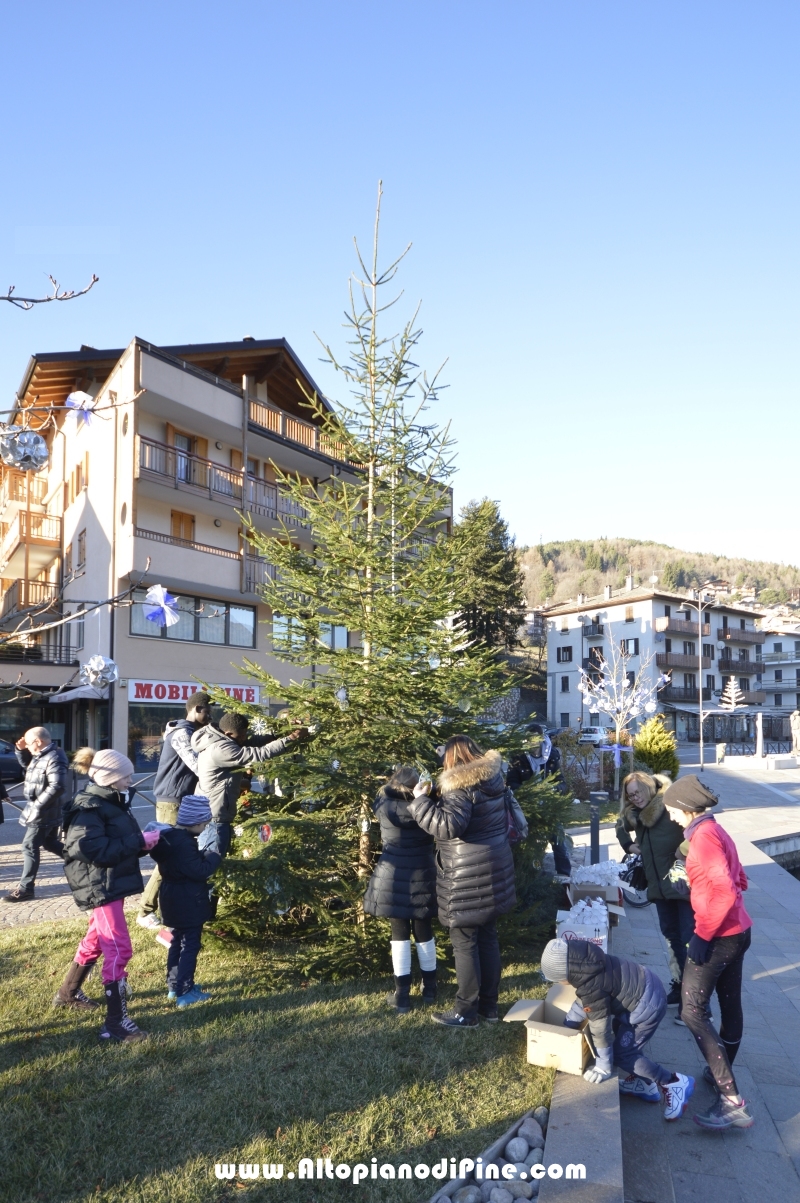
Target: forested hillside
{"points": [[556, 571]]}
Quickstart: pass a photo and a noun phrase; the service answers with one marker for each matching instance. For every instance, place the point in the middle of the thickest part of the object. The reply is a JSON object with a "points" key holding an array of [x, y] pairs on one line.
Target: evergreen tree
{"points": [[657, 747], [491, 599], [669, 576]]}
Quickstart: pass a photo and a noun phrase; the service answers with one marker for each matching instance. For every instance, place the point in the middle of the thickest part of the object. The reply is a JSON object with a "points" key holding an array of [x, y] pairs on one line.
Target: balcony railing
{"points": [[754, 697], [737, 635], [679, 693], [731, 665], [18, 653], [29, 528], [157, 537], [257, 571], [781, 657], [200, 476], [677, 660], [23, 595], [593, 630], [679, 627], [14, 488], [296, 431]]}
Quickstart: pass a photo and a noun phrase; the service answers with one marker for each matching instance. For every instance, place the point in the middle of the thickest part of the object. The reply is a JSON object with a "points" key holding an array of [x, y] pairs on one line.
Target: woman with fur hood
{"points": [[475, 878], [644, 827], [402, 888]]}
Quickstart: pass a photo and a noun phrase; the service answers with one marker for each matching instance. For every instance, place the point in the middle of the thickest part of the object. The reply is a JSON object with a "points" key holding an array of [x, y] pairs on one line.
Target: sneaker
{"points": [[679, 1022], [488, 1015], [19, 895], [151, 922], [674, 995], [173, 994], [195, 995], [725, 1114], [709, 1079], [676, 1096], [640, 1088], [164, 936], [452, 1019]]}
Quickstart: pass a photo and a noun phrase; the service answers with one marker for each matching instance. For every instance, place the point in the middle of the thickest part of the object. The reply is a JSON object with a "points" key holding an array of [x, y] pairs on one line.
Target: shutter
{"points": [[236, 460], [170, 437], [201, 447], [86, 470]]}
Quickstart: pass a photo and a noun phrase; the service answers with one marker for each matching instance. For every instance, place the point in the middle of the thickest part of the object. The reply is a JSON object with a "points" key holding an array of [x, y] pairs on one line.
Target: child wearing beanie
{"points": [[624, 1003], [102, 847], [184, 896]]}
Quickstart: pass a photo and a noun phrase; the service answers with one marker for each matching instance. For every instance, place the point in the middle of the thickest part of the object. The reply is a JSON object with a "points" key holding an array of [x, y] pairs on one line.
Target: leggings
{"points": [[722, 972], [107, 936], [401, 929]]}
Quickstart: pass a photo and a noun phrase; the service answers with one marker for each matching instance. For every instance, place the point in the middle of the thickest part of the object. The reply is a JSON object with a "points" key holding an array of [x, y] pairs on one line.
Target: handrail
{"points": [[157, 537]]}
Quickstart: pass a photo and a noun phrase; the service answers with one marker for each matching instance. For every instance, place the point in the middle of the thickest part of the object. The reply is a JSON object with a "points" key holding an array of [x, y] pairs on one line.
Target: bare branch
{"points": [[58, 294]]}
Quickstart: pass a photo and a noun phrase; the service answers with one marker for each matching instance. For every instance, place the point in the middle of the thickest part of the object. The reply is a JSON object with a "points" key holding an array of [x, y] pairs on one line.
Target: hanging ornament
{"points": [[246, 853], [259, 726], [650, 707], [342, 698], [464, 705], [238, 832], [82, 408], [23, 449], [99, 671], [161, 607], [335, 765], [265, 833]]}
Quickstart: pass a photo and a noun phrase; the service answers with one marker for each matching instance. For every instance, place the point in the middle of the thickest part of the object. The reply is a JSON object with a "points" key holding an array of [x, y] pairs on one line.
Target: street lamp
{"points": [[709, 602]]}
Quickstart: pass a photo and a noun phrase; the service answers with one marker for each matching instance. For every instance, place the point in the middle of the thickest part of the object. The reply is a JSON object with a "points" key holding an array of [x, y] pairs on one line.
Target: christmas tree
{"points": [[492, 600], [657, 747], [732, 697]]}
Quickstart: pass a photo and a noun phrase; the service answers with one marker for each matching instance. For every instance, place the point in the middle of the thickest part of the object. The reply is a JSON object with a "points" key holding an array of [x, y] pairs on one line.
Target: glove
{"points": [[699, 950], [151, 838], [602, 1068], [575, 1015]]}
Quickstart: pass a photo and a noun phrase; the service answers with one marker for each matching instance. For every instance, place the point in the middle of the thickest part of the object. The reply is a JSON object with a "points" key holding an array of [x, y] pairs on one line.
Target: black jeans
{"points": [[563, 865], [401, 929], [37, 836], [182, 958], [477, 955], [676, 920], [722, 972]]}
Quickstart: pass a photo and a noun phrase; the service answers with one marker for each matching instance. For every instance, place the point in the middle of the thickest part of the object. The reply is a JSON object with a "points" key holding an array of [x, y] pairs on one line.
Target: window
{"points": [[708, 651], [778, 699], [81, 549], [200, 620], [744, 653], [564, 720], [797, 645], [334, 637], [711, 683], [287, 631], [667, 611], [182, 525], [778, 674], [252, 467], [777, 647], [667, 645], [594, 720], [68, 560], [689, 648], [183, 448], [629, 647], [563, 655], [631, 679], [741, 624], [565, 684], [629, 614], [564, 625], [690, 682], [744, 683], [724, 622]]}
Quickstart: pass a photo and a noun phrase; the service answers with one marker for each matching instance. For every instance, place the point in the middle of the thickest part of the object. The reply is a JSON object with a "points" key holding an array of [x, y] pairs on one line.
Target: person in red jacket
{"points": [[716, 950]]}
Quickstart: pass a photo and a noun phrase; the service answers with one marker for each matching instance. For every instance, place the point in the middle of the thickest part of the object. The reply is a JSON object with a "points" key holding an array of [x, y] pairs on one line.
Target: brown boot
{"points": [[69, 993], [118, 1028]]}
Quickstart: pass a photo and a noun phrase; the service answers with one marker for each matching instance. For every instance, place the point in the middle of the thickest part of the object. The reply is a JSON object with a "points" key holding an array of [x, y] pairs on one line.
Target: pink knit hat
{"points": [[108, 768]]}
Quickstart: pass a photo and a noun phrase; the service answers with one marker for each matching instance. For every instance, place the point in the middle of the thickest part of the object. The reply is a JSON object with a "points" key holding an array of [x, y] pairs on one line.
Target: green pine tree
{"points": [[491, 598], [657, 747]]}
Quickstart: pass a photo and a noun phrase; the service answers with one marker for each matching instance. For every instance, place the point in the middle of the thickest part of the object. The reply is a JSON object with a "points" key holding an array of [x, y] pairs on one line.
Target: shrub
{"points": [[657, 748]]}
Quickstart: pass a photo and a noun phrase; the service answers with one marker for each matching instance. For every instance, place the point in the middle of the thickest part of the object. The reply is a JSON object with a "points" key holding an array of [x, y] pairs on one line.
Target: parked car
{"points": [[11, 771], [595, 736]]}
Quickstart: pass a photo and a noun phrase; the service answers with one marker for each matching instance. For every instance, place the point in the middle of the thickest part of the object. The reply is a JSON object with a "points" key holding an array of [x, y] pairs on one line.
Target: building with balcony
{"points": [[661, 629], [183, 442]]}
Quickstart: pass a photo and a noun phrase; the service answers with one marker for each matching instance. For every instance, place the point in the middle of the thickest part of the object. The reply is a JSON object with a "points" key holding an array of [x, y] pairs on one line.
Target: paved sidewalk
{"points": [[679, 1163]]}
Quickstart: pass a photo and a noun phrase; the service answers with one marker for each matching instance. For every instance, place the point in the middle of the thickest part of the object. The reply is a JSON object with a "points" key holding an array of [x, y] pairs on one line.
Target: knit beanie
{"points": [[194, 808], [689, 793], [108, 768], [554, 961]]}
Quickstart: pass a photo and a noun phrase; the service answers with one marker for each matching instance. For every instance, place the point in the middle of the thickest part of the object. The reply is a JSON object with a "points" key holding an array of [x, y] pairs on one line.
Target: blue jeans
{"points": [[37, 836], [632, 1032], [182, 958], [217, 836]]}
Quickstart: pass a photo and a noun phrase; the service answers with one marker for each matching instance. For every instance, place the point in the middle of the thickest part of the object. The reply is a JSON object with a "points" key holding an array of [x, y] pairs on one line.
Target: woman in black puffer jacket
{"points": [[403, 888], [475, 871]]}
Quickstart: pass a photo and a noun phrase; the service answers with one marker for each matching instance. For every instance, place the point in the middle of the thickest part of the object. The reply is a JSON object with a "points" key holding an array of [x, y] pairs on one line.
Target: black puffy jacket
{"points": [[659, 838], [183, 896], [475, 867], [403, 883], [102, 846], [606, 986]]}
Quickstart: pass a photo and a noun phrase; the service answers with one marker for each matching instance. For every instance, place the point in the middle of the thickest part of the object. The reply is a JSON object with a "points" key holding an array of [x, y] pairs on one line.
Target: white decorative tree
{"points": [[613, 689], [732, 697]]}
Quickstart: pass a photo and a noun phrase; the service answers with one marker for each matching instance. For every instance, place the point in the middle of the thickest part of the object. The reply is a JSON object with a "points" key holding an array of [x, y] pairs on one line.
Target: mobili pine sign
{"points": [[173, 692]]}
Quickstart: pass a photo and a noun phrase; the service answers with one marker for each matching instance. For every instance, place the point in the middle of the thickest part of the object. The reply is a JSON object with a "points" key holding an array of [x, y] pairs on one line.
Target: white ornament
{"points": [[99, 672], [23, 449]]}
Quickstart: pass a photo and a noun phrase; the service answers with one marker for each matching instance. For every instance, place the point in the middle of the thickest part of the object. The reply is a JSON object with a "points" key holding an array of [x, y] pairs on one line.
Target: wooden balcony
{"points": [[198, 476], [677, 626], [679, 693], [754, 697], [295, 430], [737, 635], [732, 667], [14, 489], [29, 541], [677, 660], [25, 595]]}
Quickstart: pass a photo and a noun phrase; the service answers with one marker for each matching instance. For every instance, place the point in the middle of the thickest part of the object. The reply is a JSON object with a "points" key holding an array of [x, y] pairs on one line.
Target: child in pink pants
{"points": [[102, 847]]}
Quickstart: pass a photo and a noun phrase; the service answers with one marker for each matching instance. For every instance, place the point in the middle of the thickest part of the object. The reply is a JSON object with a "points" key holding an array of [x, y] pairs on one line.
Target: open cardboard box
{"points": [[549, 1042], [609, 894], [568, 929]]}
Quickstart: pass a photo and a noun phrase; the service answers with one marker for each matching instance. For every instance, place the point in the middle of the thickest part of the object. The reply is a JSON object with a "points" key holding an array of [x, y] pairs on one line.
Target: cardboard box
{"points": [[549, 1043], [568, 929], [611, 894]]}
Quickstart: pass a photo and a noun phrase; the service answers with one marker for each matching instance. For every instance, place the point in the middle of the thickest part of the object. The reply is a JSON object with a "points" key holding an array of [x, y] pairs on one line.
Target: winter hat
{"points": [[689, 793], [554, 961], [194, 808], [108, 768]]}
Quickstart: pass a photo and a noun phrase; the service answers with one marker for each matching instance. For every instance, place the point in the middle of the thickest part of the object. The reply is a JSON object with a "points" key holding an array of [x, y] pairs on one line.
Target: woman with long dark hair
{"points": [[475, 880]]}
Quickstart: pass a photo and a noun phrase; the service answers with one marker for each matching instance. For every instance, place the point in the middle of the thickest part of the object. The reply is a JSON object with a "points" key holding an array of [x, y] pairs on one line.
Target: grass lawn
{"points": [[261, 1073], [580, 815]]}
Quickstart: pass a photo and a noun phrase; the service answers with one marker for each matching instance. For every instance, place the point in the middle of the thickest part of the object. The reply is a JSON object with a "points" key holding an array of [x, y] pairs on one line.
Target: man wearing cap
{"points": [[176, 777], [45, 774], [716, 950], [185, 903]]}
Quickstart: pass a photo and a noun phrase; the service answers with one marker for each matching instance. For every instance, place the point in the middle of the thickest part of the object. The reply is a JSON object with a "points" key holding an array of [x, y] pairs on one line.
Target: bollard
{"points": [[595, 798]]}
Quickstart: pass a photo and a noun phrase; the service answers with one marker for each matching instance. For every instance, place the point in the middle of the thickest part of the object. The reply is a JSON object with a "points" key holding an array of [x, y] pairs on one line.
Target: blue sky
{"points": [[602, 198]]}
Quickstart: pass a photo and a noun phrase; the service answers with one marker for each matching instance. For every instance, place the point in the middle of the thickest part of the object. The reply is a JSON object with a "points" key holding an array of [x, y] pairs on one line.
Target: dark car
{"points": [[11, 771]]}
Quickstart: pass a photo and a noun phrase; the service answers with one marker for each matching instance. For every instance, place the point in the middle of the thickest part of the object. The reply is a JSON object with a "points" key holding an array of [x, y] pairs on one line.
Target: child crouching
{"points": [[624, 1003], [184, 897]]}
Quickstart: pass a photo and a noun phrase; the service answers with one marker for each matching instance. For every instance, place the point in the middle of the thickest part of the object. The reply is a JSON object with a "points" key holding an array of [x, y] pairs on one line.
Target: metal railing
{"points": [[23, 594], [680, 627], [17, 653], [737, 635], [190, 544], [678, 660], [593, 630], [680, 693], [781, 657]]}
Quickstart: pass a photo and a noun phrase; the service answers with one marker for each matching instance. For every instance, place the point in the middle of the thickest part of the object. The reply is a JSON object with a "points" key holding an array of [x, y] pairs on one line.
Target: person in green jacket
{"points": [[644, 827]]}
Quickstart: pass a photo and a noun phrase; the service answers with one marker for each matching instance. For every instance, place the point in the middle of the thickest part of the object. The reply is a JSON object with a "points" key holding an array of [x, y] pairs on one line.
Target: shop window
{"points": [[200, 620]]}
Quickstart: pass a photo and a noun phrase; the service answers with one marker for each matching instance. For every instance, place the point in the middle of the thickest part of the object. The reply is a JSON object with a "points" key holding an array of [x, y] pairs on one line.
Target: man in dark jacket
{"points": [[185, 902], [45, 775], [176, 777], [624, 1003]]}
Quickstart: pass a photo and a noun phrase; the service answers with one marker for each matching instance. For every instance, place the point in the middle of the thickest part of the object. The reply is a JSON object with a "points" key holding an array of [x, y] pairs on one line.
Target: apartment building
{"points": [[181, 441], [781, 665], [664, 627]]}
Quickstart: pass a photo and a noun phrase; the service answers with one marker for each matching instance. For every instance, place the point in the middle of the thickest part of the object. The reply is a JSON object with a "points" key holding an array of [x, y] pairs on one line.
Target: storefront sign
{"points": [[170, 692]]}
